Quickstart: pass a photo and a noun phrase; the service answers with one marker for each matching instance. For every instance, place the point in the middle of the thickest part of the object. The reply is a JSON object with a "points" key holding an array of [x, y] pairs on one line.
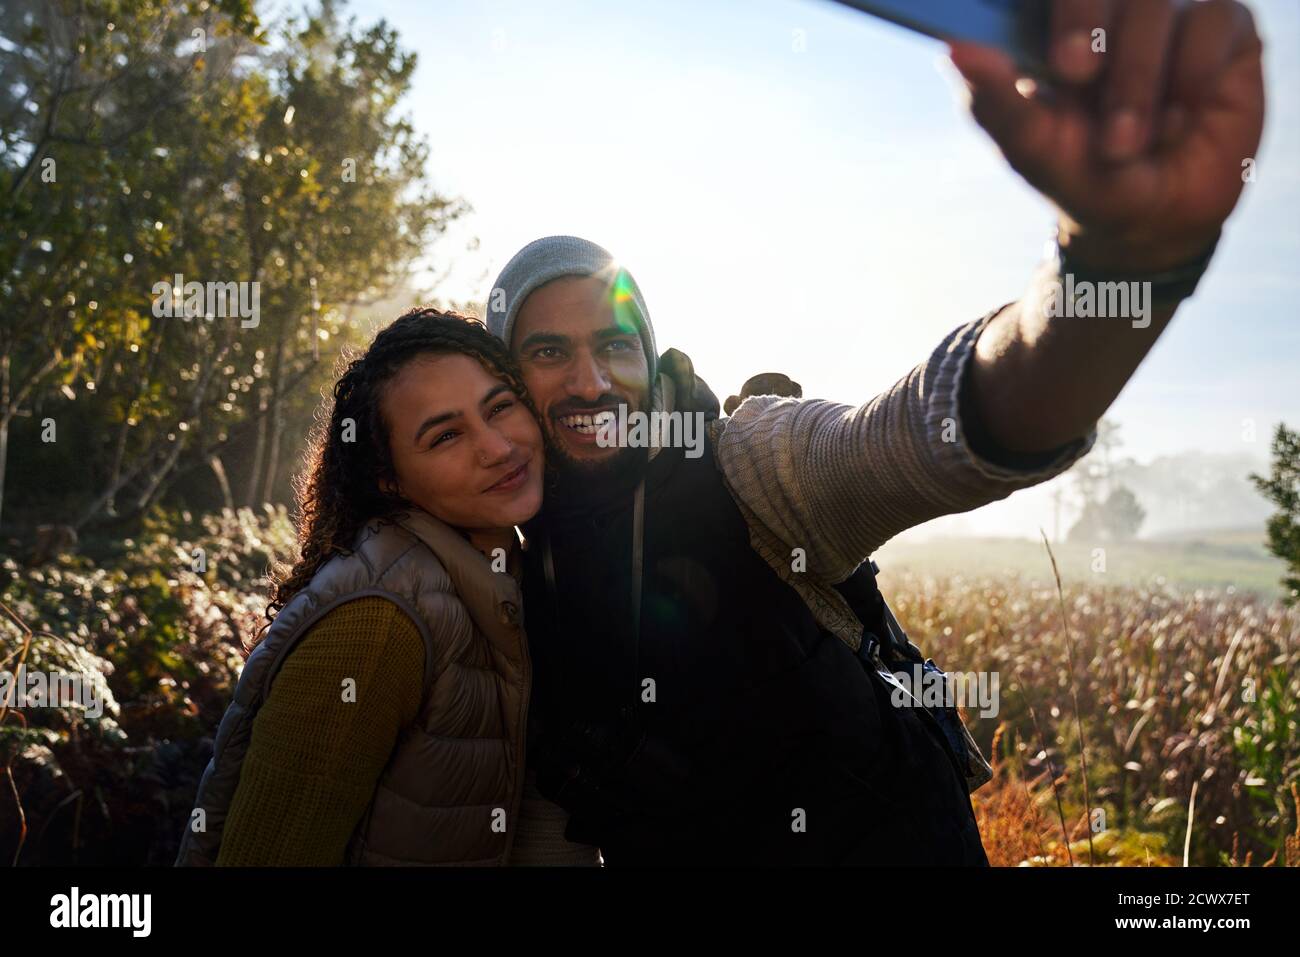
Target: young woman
{"points": [[381, 718]]}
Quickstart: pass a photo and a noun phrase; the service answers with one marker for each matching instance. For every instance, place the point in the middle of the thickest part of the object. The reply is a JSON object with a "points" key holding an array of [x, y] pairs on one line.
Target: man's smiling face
{"points": [[581, 356]]}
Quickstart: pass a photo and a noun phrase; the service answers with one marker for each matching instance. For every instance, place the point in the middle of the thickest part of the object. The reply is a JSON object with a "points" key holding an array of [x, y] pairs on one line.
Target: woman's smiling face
{"points": [[464, 447]]}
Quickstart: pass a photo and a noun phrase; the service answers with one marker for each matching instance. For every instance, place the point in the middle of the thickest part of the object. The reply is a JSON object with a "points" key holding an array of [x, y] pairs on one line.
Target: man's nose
{"points": [[588, 380]]}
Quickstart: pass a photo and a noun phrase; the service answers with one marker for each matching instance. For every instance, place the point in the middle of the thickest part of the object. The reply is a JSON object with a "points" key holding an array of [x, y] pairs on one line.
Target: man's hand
{"points": [[1142, 149], [1142, 146]]}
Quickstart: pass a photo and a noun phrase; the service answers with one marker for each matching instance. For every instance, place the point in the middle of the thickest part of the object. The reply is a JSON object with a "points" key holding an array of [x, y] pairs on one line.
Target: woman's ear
{"points": [[389, 487]]}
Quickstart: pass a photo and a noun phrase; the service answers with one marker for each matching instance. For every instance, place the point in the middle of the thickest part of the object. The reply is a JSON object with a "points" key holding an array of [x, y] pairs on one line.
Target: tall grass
{"points": [[1173, 690]]}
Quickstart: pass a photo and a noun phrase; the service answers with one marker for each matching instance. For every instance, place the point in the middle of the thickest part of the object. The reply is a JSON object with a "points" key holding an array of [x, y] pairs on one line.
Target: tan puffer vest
{"points": [[452, 788]]}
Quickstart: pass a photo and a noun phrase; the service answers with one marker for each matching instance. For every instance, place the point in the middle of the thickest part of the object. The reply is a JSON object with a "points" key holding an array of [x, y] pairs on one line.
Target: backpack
{"points": [[884, 638]]}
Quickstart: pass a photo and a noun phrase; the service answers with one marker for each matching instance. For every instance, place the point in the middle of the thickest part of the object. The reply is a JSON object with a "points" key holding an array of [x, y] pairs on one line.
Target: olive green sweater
{"points": [[325, 734]]}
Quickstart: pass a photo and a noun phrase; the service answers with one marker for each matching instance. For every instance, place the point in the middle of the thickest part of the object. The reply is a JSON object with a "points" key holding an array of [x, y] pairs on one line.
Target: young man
{"points": [[699, 688]]}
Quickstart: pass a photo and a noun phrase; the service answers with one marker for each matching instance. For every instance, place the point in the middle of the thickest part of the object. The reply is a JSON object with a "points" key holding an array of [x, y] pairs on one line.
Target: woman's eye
{"points": [[446, 436], [499, 407]]}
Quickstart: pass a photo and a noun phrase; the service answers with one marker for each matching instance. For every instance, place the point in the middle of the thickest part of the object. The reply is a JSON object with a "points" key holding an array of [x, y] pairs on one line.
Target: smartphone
{"points": [[1017, 27]]}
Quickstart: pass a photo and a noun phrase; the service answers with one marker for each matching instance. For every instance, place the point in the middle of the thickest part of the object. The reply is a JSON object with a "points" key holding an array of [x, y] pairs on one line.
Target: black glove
{"points": [[693, 393]]}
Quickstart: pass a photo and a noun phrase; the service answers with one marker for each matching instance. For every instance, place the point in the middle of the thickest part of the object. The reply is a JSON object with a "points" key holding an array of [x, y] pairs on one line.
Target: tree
{"points": [[186, 144], [351, 216], [1117, 519], [1282, 488], [1094, 483], [1123, 514], [87, 94]]}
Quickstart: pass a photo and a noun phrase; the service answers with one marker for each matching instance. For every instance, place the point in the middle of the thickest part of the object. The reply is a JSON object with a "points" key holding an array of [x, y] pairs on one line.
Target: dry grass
{"points": [[1174, 691]]}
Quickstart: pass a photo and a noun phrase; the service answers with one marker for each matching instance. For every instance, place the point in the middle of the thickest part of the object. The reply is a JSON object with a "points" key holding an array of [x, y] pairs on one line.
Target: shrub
{"points": [[160, 633]]}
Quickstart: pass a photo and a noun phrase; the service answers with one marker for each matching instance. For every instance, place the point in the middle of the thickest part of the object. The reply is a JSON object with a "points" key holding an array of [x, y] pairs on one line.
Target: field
{"points": [[1233, 559], [1185, 667], [1185, 744]]}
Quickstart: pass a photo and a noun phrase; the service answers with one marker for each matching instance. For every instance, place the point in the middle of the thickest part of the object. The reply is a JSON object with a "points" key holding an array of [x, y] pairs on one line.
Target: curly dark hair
{"points": [[341, 488]]}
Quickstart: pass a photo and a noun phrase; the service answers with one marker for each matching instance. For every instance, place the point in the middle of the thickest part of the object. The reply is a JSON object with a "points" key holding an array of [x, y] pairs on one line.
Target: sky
{"points": [[797, 188]]}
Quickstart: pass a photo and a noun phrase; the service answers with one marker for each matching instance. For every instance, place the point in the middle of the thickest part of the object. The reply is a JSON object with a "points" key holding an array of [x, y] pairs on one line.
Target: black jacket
{"points": [[765, 742]]}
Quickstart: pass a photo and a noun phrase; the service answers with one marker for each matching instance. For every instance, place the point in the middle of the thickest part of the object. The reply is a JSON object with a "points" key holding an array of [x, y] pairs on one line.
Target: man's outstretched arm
{"points": [[1141, 148]]}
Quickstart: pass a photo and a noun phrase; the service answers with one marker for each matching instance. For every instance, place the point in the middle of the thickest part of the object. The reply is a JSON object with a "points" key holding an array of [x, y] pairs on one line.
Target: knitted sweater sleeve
{"points": [[318, 748], [838, 481]]}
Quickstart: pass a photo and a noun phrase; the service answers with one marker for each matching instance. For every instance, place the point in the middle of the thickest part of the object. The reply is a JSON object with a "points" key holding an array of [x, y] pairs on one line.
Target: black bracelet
{"points": [[1169, 286]]}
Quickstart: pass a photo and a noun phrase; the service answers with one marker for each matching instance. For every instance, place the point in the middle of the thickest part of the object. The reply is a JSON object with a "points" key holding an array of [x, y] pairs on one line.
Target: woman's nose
{"points": [[493, 447]]}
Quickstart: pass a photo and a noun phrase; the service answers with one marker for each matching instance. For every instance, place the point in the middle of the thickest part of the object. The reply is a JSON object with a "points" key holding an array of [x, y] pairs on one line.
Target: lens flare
{"points": [[626, 314]]}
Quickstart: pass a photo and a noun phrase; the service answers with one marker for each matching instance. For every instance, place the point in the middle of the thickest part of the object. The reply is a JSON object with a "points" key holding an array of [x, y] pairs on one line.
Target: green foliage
{"points": [[133, 151], [1267, 743], [1282, 488], [162, 641]]}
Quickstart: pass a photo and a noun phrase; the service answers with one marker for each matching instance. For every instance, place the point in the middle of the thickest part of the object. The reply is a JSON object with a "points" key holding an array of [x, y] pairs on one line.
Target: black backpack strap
{"points": [[881, 631]]}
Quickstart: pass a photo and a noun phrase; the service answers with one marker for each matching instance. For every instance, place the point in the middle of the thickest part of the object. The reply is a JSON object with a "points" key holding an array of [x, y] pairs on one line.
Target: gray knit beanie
{"points": [[551, 258]]}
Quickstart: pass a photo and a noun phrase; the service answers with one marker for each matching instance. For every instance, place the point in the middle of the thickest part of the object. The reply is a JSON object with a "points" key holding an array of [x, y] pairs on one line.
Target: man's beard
{"points": [[586, 480], [571, 476]]}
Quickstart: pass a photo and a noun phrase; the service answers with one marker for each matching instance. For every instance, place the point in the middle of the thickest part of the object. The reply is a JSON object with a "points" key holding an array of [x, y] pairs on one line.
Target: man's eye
{"points": [[500, 407], [547, 352], [445, 437], [618, 345]]}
